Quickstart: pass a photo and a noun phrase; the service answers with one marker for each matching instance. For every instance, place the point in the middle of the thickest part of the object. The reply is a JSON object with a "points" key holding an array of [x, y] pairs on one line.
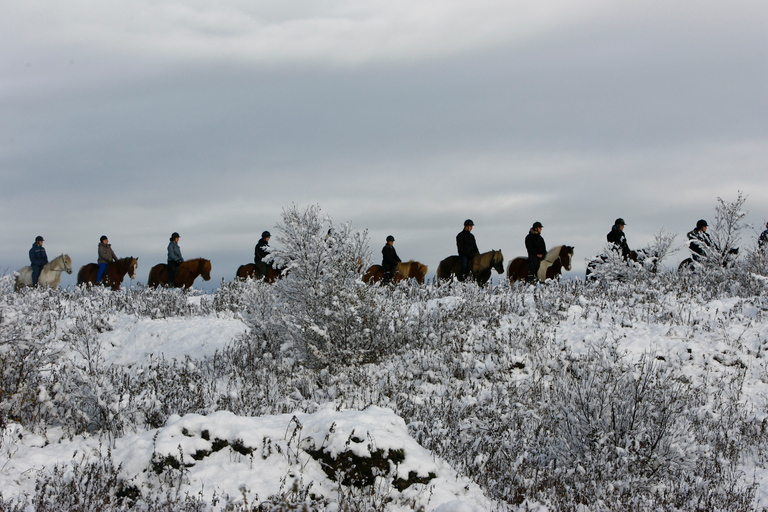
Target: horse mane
{"points": [[412, 269], [553, 254]]}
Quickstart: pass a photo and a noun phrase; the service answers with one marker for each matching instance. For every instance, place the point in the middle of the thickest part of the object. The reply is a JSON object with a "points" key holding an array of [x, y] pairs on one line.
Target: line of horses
{"points": [[480, 271]]}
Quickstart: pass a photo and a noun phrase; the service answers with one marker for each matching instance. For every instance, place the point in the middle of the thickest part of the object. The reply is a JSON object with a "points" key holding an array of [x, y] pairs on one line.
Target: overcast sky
{"points": [[135, 119]]}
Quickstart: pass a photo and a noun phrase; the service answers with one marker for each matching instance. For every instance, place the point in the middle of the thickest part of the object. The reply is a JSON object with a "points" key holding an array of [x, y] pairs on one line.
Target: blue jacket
{"points": [[174, 253], [37, 255]]}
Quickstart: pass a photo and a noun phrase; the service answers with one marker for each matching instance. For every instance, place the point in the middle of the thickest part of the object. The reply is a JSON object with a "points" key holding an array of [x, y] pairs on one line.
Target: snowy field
{"points": [[632, 391]]}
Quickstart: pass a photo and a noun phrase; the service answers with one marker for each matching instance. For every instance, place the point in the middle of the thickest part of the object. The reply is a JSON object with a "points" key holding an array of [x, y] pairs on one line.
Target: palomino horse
{"points": [[50, 275], [251, 271], [185, 274], [550, 267], [479, 271], [113, 275], [407, 270]]}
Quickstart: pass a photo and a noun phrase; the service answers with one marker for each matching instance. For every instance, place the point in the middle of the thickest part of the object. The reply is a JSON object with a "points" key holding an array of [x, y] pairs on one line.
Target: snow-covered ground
{"points": [[462, 352]]}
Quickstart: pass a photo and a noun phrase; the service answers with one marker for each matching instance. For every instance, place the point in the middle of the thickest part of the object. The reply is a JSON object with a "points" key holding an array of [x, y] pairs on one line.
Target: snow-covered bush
{"points": [[330, 314]]}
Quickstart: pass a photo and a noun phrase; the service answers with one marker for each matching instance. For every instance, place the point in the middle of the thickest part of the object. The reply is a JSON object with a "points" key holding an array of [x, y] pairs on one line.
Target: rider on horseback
{"points": [[37, 258], [390, 259], [537, 249], [106, 255], [619, 240], [261, 251], [174, 259], [699, 242], [465, 242]]}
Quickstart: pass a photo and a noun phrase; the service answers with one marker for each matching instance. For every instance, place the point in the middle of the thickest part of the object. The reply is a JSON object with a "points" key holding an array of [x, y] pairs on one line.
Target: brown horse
{"points": [[113, 275], [407, 270], [251, 271], [550, 267], [185, 274], [479, 271]]}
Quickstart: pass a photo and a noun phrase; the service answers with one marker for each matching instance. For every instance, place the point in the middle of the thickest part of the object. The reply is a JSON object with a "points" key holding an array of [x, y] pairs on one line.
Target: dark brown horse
{"points": [[405, 270], [185, 274], [480, 269], [251, 271], [550, 267], [113, 275]]}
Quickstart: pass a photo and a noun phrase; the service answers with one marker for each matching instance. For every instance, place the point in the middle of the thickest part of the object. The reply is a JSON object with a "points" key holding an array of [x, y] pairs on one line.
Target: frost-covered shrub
{"points": [[331, 315]]}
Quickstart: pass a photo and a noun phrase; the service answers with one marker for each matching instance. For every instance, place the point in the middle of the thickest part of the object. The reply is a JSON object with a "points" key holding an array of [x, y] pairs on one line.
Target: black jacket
{"points": [[535, 245], [390, 259], [617, 238], [262, 249], [465, 243]]}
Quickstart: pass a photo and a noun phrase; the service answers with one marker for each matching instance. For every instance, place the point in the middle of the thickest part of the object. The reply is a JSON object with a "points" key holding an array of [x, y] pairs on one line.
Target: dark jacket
{"points": [[390, 259], [700, 242], [37, 255], [617, 238], [106, 254], [535, 245], [763, 240], [174, 253], [262, 249], [465, 243]]}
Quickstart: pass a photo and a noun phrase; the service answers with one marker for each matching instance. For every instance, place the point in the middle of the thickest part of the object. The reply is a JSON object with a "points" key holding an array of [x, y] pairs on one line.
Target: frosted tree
{"points": [[331, 315], [729, 222]]}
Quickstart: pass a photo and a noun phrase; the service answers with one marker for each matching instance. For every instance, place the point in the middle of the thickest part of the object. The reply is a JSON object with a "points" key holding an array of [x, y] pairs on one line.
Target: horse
{"points": [[405, 270], [727, 260], [50, 275], [185, 274], [550, 267], [251, 271], [480, 269], [113, 275]]}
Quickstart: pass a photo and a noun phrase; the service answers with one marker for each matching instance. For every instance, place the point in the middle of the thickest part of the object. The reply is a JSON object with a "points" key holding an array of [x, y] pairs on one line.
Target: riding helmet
{"points": [[265, 234], [390, 238], [469, 222], [537, 224], [619, 222], [38, 238], [103, 237], [175, 235], [702, 223]]}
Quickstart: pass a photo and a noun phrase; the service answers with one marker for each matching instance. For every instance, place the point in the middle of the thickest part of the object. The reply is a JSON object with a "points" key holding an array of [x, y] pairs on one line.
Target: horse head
{"points": [[419, 272], [67, 261], [133, 265], [205, 269], [497, 261], [566, 254]]}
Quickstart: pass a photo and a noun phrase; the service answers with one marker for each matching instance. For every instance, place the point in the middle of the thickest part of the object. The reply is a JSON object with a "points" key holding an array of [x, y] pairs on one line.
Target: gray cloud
{"points": [[139, 119]]}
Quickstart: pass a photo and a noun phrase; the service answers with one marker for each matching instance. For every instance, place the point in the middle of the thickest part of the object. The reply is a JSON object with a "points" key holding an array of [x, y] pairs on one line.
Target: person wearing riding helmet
{"points": [[762, 242], [106, 255], [390, 259], [174, 259], [537, 249], [465, 243], [699, 241], [618, 239], [261, 251], [37, 259]]}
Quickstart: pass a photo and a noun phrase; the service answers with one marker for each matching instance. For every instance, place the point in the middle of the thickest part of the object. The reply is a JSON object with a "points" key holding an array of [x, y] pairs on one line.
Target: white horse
{"points": [[50, 275]]}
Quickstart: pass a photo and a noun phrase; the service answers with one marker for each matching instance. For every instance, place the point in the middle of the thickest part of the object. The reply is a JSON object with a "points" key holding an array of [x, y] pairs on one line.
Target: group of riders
{"points": [[699, 242]]}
